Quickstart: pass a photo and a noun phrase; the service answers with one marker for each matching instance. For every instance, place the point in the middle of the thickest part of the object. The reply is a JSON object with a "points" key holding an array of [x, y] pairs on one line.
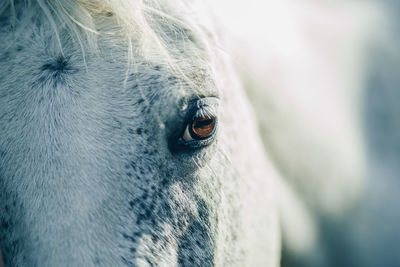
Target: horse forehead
{"points": [[44, 52], [146, 78]]}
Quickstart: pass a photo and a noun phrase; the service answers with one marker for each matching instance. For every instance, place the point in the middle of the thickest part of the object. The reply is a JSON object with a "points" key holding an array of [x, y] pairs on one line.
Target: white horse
{"points": [[127, 138]]}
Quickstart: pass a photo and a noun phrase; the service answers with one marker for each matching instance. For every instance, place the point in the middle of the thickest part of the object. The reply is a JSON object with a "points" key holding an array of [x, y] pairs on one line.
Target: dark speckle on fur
{"points": [[130, 238], [126, 262], [97, 261], [59, 65], [4, 55], [4, 225]]}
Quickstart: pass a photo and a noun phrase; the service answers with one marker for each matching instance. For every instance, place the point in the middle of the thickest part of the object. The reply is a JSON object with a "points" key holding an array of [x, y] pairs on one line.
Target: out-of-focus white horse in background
{"points": [[323, 78]]}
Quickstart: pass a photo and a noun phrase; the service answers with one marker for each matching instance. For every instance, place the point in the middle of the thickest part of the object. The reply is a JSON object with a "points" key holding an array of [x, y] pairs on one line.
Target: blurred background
{"points": [[323, 77]]}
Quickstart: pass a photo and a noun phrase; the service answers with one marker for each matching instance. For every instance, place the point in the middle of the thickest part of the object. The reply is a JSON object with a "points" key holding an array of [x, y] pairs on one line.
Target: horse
{"points": [[129, 138]]}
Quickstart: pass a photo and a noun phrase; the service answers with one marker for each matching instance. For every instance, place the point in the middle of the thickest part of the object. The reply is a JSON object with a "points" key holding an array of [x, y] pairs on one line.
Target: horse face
{"points": [[101, 167]]}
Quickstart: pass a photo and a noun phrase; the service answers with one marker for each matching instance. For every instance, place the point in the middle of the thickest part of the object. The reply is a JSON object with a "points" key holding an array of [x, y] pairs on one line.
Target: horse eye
{"points": [[200, 129]]}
